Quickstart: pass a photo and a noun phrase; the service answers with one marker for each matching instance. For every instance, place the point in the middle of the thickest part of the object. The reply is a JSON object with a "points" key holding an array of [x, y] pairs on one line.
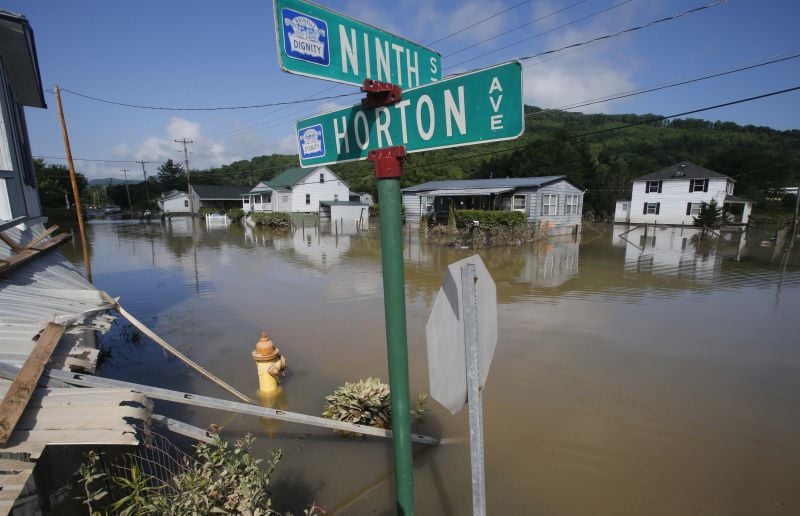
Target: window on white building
{"points": [[653, 187], [652, 208], [549, 204], [335, 197], [322, 178], [698, 185], [573, 205], [693, 208], [308, 198], [186, 203], [285, 198]]}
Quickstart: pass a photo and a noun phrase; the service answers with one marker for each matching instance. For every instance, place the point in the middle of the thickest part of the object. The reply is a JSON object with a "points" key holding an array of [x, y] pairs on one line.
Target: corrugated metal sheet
{"points": [[49, 289], [44, 290], [505, 182]]}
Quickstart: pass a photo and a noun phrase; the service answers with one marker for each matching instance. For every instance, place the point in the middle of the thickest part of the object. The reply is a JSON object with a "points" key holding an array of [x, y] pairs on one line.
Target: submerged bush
{"points": [[366, 402], [208, 211], [490, 219], [271, 219], [235, 214]]}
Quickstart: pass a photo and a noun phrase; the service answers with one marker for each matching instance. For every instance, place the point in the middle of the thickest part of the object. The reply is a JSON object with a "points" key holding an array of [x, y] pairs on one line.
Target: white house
{"points": [[674, 196], [297, 190], [174, 202], [20, 85], [552, 200]]}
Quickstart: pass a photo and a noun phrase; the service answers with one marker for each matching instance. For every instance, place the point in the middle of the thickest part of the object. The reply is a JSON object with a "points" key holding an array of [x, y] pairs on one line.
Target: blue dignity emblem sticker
{"points": [[305, 37], [312, 142]]}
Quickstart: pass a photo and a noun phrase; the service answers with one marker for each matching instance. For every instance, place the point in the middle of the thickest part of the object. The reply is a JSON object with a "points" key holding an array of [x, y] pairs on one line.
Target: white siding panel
{"points": [[331, 189], [674, 197]]}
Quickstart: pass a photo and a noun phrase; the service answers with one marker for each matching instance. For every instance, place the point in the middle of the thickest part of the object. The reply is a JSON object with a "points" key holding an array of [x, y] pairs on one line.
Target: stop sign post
{"points": [[462, 336]]}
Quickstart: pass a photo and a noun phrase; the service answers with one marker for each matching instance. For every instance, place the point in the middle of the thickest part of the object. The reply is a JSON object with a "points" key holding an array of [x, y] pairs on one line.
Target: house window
{"points": [[693, 208], [652, 208], [698, 185], [653, 187], [186, 203], [308, 198], [519, 202], [246, 200], [322, 178], [285, 198], [335, 197], [625, 207], [573, 205], [549, 204]]}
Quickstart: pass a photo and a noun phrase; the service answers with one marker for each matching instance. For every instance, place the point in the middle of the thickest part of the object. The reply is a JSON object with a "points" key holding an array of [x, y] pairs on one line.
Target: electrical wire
{"points": [[541, 18], [218, 108], [610, 129], [459, 31], [650, 89]]}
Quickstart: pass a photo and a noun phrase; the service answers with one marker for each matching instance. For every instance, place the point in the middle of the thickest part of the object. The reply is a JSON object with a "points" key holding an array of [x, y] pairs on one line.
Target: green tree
{"points": [[710, 215], [171, 176], [53, 183]]}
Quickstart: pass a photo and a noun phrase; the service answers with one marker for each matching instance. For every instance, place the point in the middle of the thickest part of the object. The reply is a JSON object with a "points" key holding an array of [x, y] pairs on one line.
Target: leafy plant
{"points": [[710, 215], [489, 219], [208, 211], [271, 219], [366, 402], [219, 479], [235, 214]]}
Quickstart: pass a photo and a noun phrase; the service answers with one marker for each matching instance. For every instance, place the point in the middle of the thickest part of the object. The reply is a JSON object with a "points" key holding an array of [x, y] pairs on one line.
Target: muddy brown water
{"points": [[634, 374]]}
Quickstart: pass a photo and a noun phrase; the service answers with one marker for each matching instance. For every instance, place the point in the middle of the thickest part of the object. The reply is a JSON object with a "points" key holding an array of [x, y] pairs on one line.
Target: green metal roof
{"points": [[232, 193], [289, 178]]}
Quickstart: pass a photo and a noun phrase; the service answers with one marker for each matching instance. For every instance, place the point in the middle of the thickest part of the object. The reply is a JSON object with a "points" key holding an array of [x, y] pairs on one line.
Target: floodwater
{"points": [[634, 374]]}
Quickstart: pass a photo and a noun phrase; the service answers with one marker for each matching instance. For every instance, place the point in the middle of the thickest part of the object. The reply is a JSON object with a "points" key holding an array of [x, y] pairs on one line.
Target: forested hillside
{"points": [[589, 150]]}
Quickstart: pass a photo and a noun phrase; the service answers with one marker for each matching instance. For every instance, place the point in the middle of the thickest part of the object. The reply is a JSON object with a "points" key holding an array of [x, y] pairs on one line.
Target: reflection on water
{"points": [[634, 374]]}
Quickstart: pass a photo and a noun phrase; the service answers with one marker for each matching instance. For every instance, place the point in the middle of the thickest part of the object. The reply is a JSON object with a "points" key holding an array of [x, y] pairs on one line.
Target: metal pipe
{"points": [[396, 338]]}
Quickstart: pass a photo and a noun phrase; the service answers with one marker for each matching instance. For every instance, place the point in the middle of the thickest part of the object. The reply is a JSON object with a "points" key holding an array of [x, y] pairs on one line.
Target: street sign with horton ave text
{"points": [[317, 42], [477, 107]]}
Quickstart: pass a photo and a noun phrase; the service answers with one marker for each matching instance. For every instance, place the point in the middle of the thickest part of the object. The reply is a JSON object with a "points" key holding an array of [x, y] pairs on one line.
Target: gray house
{"points": [[551, 200], [20, 85]]}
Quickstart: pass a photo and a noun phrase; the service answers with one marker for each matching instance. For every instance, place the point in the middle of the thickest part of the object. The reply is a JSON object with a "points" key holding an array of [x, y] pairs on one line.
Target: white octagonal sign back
{"points": [[447, 365]]}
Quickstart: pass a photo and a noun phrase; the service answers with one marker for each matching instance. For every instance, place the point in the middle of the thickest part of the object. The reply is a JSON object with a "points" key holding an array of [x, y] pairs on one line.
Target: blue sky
{"points": [[202, 53]]}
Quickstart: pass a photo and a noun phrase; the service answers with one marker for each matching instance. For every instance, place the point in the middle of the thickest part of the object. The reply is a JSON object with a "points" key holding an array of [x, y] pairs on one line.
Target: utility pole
{"points": [[75, 193], [130, 206], [184, 141], [144, 174]]}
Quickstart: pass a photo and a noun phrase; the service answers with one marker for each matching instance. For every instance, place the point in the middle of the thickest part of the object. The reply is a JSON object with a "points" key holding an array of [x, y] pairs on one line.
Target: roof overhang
{"points": [[464, 192], [18, 49]]}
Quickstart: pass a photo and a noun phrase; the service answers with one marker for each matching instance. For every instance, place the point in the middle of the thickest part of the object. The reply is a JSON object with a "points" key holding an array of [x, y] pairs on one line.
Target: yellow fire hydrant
{"points": [[269, 362]]}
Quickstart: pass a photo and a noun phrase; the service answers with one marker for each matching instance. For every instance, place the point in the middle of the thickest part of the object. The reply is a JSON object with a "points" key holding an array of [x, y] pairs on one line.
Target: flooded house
{"points": [[296, 190], [675, 195], [551, 200]]}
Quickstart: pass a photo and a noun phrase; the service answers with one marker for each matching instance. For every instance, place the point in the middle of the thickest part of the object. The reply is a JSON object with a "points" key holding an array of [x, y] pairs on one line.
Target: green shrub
{"points": [[235, 214], [219, 479], [271, 219], [490, 219], [366, 402]]}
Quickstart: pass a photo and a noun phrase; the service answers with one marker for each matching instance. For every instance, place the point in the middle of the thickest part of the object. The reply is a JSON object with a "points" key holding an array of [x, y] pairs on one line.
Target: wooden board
{"points": [[16, 399]]}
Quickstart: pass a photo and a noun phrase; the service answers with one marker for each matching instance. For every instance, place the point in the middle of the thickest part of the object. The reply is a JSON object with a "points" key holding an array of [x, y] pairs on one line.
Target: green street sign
{"points": [[317, 42], [477, 107]]}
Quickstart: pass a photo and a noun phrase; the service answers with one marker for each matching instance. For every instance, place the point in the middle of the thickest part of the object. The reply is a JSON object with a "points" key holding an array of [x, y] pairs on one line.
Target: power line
{"points": [[541, 18], [650, 89], [628, 30], [610, 129], [459, 31], [218, 108]]}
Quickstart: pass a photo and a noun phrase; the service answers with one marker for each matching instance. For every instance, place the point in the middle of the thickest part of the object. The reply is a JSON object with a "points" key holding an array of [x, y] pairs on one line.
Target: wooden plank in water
{"points": [[16, 399], [42, 236]]}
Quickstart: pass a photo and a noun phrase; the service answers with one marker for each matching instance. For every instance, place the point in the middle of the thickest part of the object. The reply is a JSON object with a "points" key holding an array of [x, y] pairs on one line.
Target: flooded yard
{"points": [[634, 374]]}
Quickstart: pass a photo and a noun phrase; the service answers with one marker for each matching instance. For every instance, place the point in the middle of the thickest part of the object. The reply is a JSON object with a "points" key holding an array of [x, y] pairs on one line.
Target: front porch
{"points": [[254, 201]]}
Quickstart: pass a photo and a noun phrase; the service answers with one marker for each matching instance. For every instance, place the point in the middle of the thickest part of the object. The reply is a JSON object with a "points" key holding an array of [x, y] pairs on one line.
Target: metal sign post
{"points": [[470, 301], [388, 170]]}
